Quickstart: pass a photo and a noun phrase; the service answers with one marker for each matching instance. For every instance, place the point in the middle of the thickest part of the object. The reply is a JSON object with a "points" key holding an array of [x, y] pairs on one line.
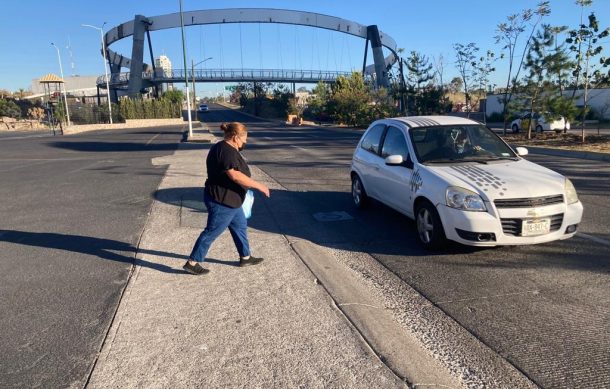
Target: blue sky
{"points": [[27, 27]]}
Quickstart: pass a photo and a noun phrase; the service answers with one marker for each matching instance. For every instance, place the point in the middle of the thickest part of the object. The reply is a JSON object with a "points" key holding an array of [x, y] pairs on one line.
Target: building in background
{"points": [[164, 68], [79, 89]]}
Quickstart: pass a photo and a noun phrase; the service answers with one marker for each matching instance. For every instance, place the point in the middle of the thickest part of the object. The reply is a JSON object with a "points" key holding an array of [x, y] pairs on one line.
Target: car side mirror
{"points": [[521, 151], [394, 160]]}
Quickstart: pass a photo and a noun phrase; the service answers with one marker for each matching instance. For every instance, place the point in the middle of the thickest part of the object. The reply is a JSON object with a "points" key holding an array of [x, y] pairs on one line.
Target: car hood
{"points": [[510, 179]]}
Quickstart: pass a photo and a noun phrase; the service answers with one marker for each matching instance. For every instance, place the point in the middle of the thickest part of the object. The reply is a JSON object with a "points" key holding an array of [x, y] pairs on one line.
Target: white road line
{"points": [[266, 137], [298, 147], [594, 238], [151, 139]]}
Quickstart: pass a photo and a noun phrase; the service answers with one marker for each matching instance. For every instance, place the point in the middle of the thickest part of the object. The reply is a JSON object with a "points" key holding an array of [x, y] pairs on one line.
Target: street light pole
{"points": [[101, 30], [186, 76], [193, 64], [63, 84]]}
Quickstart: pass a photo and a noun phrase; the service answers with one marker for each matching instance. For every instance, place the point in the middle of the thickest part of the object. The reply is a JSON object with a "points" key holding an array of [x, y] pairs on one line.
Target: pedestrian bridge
{"points": [[159, 76]]}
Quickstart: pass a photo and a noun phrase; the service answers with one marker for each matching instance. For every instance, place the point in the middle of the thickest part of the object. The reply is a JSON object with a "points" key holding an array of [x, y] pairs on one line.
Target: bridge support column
{"points": [[115, 71], [137, 56], [380, 70]]}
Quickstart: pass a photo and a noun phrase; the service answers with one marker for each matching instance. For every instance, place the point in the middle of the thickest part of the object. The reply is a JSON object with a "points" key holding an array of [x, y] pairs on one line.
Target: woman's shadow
{"points": [[99, 247]]}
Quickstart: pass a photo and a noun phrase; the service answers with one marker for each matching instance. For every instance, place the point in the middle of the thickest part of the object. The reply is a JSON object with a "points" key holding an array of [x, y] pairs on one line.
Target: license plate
{"points": [[535, 227]]}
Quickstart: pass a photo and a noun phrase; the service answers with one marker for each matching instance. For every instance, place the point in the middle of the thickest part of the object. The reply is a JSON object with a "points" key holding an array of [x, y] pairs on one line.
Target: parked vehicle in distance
{"points": [[461, 182], [203, 108], [541, 123]]}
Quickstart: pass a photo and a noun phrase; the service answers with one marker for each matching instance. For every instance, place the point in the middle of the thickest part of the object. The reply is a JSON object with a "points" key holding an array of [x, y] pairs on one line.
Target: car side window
{"points": [[372, 139], [395, 144]]}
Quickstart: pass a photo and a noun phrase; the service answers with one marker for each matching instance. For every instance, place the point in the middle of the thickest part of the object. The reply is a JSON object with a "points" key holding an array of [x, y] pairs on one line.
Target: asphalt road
{"points": [[72, 211], [545, 308]]}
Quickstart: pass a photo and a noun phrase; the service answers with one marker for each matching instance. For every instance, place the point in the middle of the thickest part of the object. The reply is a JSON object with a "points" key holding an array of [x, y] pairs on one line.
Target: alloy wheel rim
{"points": [[356, 191], [425, 225]]}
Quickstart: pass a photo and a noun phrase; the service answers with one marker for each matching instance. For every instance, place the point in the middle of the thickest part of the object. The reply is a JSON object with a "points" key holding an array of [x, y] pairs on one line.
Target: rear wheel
{"points": [[361, 200], [539, 129], [429, 227]]}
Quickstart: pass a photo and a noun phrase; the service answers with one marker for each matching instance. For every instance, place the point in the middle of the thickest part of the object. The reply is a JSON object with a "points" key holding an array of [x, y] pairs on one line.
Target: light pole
{"points": [[63, 84], [101, 30], [186, 75], [193, 70]]}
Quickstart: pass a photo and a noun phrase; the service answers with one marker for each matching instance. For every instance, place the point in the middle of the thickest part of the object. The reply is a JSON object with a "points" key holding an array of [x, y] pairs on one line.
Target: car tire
{"points": [[430, 230], [361, 200], [539, 129], [515, 128]]}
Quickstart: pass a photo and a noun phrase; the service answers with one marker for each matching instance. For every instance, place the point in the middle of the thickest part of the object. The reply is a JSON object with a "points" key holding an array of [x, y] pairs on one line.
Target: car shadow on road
{"points": [[328, 219], [99, 247]]}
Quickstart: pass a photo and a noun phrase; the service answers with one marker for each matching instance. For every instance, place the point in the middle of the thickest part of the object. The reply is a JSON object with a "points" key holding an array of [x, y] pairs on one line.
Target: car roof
{"points": [[428, 121]]}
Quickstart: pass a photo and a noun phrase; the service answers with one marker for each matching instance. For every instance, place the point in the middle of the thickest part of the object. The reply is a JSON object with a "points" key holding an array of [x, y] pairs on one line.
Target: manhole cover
{"points": [[334, 216]]}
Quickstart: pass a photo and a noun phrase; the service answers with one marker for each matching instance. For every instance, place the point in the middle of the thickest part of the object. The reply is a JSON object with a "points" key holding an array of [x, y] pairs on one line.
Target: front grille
{"points": [[531, 202], [513, 226]]}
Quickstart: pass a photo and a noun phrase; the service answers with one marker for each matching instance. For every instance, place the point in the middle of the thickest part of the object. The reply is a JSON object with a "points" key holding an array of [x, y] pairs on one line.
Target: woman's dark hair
{"points": [[233, 129]]}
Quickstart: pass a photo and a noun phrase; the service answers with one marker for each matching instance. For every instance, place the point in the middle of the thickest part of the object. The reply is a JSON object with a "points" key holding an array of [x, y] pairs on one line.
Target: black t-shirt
{"points": [[219, 186]]}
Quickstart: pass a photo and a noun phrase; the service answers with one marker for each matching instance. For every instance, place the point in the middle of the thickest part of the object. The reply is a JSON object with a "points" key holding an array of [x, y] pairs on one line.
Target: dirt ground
{"points": [[573, 141]]}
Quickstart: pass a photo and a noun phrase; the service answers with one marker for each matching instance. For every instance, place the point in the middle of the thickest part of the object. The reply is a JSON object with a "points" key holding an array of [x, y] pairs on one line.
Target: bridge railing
{"points": [[216, 75]]}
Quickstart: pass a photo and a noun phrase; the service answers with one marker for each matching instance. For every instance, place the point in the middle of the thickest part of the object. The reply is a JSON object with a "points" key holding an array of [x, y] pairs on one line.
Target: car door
{"points": [[367, 158], [394, 181]]}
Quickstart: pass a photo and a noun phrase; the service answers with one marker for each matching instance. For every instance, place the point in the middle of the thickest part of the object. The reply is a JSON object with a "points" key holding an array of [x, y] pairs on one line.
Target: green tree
{"points": [[419, 74], [350, 97], [176, 96], [586, 43], [537, 63], [317, 105], [508, 34], [9, 108]]}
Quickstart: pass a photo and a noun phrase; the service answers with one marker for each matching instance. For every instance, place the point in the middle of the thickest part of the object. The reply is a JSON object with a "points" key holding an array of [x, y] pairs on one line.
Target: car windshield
{"points": [[458, 143]]}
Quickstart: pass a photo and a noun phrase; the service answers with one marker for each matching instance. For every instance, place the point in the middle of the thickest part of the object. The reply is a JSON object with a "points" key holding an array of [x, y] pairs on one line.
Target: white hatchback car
{"points": [[461, 182], [541, 123]]}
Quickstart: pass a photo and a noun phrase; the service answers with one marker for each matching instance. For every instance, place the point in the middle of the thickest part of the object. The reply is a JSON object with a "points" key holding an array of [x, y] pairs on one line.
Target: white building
{"points": [[164, 67]]}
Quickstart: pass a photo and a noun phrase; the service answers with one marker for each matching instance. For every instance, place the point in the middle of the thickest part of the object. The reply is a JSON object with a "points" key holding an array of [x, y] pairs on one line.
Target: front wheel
{"points": [[429, 227], [359, 196], [515, 128], [539, 129]]}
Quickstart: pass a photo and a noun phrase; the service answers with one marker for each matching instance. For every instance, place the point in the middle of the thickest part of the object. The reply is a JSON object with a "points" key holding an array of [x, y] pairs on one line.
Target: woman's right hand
{"points": [[263, 189]]}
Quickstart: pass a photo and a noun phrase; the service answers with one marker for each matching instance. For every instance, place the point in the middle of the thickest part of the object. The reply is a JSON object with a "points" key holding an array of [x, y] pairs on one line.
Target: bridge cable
{"points": [[349, 56], [220, 39], [328, 54], [241, 51], [260, 47], [279, 38]]}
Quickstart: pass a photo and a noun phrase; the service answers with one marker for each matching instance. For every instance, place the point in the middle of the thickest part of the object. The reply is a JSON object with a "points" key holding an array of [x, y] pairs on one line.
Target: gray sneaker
{"points": [[250, 261], [195, 269]]}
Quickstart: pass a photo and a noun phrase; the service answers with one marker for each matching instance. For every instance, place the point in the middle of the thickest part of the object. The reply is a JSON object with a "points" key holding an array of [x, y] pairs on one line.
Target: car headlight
{"points": [[571, 196], [464, 199]]}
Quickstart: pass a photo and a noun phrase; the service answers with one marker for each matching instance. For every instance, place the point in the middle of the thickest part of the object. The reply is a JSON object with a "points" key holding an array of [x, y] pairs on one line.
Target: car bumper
{"points": [[468, 227]]}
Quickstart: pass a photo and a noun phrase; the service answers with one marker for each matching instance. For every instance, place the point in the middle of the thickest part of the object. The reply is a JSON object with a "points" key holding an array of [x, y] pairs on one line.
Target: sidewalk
{"points": [[265, 326]]}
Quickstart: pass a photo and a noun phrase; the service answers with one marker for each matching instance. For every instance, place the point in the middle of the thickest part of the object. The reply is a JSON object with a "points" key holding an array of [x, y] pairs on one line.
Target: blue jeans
{"points": [[219, 218]]}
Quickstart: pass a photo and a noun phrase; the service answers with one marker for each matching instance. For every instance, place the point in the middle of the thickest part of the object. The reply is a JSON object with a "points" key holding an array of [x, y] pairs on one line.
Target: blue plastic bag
{"points": [[247, 205]]}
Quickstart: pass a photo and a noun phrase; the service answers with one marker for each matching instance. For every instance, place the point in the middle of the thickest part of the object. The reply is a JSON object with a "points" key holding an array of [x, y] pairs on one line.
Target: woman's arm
{"points": [[247, 182]]}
